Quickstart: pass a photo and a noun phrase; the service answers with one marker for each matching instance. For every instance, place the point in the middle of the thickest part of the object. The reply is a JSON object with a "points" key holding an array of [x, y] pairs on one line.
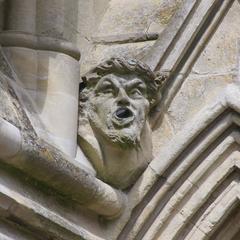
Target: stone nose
{"points": [[122, 98]]}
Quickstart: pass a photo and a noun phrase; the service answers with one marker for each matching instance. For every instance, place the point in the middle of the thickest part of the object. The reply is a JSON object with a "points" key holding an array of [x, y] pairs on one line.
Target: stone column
{"points": [[2, 8], [21, 15], [40, 46]]}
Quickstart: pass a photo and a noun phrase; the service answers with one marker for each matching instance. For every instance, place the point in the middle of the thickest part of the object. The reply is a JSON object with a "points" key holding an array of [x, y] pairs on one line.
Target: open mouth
{"points": [[123, 113], [123, 116]]}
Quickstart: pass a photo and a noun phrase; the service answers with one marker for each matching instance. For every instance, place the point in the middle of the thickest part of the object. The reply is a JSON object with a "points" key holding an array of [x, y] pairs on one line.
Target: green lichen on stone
{"points": [[166, 14]]}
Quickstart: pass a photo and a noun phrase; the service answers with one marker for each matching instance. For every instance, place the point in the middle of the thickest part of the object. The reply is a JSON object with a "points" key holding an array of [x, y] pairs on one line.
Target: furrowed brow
{"points": [[109, 81], [135, 83]]}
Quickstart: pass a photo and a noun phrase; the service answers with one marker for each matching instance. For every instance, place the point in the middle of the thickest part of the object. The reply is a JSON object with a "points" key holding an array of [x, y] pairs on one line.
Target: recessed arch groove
{"points": [[225, 129], [212, 220], [214, 195], [162, 204], [186, 228], [225, 117], [228, 229]]}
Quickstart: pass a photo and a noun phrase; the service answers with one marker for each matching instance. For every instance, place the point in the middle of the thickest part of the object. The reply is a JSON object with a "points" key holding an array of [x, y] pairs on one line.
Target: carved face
{"points": [[119, 107]]}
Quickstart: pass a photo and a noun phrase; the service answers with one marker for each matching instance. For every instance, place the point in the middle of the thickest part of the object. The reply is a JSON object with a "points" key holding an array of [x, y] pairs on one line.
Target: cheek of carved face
{"points": [[119, 107]]}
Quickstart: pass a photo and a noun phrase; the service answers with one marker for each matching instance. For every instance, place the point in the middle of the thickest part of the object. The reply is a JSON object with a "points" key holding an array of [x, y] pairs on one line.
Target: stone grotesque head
{"points": [[114, 132]]}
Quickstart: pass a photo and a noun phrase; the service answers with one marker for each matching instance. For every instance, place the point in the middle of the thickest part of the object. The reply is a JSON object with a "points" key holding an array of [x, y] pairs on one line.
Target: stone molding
{"points": [[56, 170], [125, 38], [212, 134], [10, 139], [189, 191], [180, 44], [48, 164], [27, 40]]}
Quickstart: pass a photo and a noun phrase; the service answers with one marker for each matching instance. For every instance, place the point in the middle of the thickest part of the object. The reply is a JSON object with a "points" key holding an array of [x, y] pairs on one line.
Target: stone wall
{"points": [[49, 188]]}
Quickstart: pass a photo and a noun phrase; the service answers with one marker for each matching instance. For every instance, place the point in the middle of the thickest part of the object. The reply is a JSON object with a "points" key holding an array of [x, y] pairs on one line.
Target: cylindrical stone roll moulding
{"points": [[21, 15], [2, 14], [46, 63]]}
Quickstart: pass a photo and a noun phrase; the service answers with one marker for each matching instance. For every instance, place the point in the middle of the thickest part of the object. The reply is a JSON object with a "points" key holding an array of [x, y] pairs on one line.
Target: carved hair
{"points": [[125, 66]]}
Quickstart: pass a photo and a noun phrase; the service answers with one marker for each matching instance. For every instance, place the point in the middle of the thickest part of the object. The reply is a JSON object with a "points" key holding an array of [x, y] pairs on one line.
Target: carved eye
{"points": [[136, 93], [108, 90], [105, 87]]}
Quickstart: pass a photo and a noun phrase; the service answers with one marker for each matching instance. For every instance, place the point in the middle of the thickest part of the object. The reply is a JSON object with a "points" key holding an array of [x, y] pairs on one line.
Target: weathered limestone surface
{"points": [[55, 186], [206, 80], [214, 69], [126, 23]]}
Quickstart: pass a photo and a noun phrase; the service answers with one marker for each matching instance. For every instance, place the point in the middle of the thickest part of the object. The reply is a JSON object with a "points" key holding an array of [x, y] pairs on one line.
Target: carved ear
{"points": [[161, 79]]}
